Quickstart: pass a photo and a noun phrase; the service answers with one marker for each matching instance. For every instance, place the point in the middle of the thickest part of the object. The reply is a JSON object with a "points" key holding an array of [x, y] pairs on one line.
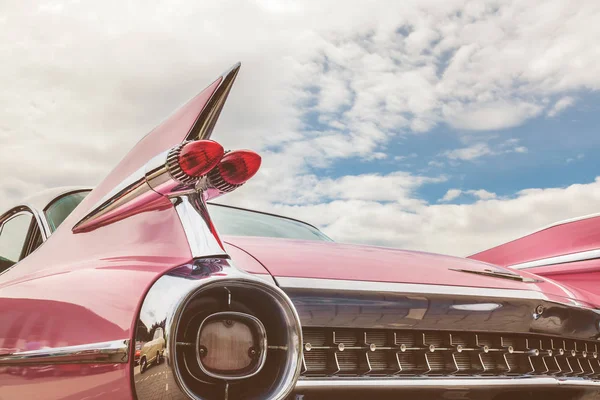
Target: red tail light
{"points": [[199, 157], [238, 166], [234, 170]]}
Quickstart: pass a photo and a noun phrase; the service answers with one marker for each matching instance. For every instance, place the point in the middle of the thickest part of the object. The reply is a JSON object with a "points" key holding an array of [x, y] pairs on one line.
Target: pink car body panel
{"points": [[326, 260], [572, 237], [563, 239], [582, 274]]}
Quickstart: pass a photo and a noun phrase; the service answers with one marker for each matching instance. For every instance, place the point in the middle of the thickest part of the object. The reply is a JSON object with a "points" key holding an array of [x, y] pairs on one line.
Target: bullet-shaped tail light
{"points": [[192, 160], [235, 169], [199, 157]]}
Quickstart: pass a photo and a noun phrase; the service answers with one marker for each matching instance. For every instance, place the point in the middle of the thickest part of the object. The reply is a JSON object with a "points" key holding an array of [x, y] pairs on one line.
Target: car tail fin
{"points": [[567, 252], [175, 158]]}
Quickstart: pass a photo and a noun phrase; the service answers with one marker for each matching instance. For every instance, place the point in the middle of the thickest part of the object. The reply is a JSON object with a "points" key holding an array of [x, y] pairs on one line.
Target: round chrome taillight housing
{"points": [[240, 335], [227, 334]]}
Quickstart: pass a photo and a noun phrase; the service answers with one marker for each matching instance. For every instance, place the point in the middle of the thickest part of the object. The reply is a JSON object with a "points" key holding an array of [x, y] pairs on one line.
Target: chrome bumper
{"points": [[307, 385]]}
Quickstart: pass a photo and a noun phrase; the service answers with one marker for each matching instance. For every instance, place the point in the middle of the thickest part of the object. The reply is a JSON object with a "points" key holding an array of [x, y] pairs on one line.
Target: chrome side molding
{"points": [[205, 123], [393, 287], [564, 259], [200, 231], [113, 352]]}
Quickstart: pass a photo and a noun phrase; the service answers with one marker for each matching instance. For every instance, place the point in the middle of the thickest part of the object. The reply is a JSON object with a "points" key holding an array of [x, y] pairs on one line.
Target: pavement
{"points": [[156, 383]]}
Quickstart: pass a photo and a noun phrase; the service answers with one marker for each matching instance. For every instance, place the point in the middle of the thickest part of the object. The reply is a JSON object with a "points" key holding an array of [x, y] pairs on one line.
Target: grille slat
{"points": [[381, 352]]}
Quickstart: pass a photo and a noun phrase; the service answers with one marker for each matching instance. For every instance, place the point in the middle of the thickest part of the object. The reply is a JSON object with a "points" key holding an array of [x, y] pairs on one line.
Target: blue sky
{"points": [[446, 126], [557, 151]]}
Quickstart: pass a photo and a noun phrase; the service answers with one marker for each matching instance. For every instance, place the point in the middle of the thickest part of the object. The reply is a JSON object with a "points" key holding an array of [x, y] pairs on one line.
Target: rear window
{"points": [[239, 222], [13, 235], [60, 209]]}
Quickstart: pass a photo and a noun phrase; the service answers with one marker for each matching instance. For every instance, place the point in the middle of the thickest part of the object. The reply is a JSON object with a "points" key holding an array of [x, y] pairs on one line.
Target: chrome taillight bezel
{"points": [[178, 293]]}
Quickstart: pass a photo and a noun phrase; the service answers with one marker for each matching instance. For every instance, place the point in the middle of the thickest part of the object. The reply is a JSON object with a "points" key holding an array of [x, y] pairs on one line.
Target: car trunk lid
{"points": [[327, 260]]}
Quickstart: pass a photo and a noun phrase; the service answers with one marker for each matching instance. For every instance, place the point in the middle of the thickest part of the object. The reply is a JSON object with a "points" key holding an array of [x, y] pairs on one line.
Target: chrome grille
{"points": [[384, 352]]}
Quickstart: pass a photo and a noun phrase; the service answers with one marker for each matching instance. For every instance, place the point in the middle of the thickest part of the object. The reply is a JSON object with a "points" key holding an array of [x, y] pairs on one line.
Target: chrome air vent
{"points": [[237, 339], [330, 352]]}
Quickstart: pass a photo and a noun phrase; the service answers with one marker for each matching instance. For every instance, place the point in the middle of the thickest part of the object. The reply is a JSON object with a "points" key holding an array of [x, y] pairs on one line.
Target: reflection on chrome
{"points": [[476, 307], [55, 370], [188, 305], [104, 353]]}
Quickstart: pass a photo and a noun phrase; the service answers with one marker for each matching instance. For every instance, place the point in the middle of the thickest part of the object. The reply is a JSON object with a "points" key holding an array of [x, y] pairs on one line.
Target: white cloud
{"points": [[490, 116], [434, 163], [448, 228], [397, 187], [334, 93], [478, 150], [561, 105], [451, 194], [576, 158], [480, 194], [469, 153], [376, 156], [405, 157]]}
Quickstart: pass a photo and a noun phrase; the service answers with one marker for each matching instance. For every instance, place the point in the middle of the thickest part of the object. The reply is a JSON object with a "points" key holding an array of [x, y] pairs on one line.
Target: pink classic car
{"points": [[142, 274]]}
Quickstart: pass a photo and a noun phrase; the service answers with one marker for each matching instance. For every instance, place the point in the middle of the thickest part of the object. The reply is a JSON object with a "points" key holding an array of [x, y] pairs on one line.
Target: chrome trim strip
{"points": [[205, 123], [113, 352], [265, 277], [212, 204], [112, 205], [568, 221], [202, 236], [368, 286], [567, 258], [304, 384], [37, 215]]}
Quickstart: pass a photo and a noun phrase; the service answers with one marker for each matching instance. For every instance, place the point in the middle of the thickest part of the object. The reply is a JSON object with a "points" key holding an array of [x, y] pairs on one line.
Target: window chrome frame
{"points": [[39, 215], [44, 218], [271, 215], [13, 213]]}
